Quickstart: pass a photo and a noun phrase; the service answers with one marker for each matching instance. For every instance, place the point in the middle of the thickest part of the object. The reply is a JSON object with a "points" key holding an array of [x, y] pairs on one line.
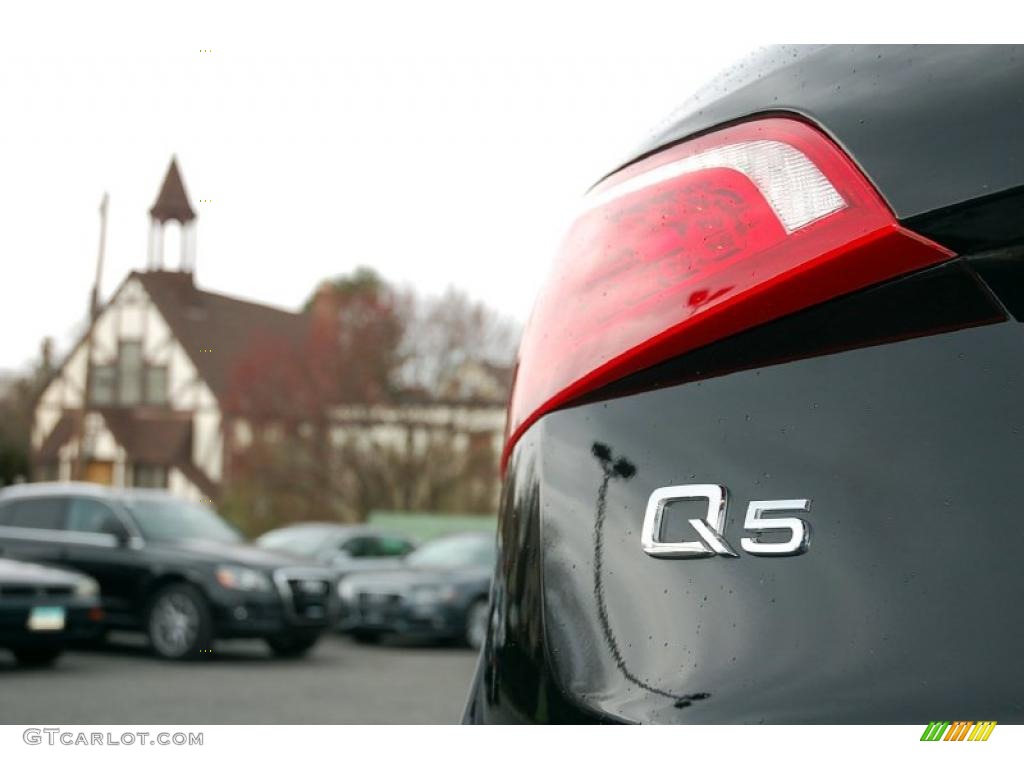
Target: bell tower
{"points": [[172, 208]]}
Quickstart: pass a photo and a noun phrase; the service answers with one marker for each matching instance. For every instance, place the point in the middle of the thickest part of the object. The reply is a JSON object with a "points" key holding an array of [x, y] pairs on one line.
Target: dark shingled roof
{"points": [[218, 331], [172, 203]]}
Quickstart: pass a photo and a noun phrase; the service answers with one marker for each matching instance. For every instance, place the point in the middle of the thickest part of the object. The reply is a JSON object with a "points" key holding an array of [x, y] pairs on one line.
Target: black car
{"points": [[169, 567], [345, 549], [440, 592], [42, 609], [769, 411]]}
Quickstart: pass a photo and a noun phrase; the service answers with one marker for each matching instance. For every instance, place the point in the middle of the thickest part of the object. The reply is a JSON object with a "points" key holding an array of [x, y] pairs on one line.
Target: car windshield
{"points": [[298, 541], [455, 552], [171, 519]]}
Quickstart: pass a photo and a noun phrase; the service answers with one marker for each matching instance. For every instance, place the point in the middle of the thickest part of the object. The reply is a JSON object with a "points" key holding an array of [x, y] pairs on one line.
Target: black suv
{"points": [[169, 567]]}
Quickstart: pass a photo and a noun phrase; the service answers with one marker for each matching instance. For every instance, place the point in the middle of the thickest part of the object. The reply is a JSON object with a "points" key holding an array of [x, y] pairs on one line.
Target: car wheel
{"points": [[178, 623], [292, 646], [37, 657], [476, 624], [366, 636]]}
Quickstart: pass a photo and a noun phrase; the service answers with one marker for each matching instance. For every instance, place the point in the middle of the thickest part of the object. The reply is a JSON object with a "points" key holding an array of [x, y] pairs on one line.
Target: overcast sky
{"points": [[456, 169]]}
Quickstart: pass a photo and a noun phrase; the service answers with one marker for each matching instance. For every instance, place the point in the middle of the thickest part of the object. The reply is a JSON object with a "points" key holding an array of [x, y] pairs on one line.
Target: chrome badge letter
{"points": [[709, 529]]}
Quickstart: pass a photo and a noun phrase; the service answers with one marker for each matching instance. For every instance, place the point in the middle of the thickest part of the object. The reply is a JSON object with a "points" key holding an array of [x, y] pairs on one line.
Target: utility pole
{"points": [[78, 467], [94, 301]]}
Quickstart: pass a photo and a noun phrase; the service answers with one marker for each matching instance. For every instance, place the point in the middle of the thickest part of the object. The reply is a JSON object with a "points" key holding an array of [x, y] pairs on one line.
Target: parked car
{"points": [[439, 592], [768, 420], [345, 549], [171, 568], [42, 609]]}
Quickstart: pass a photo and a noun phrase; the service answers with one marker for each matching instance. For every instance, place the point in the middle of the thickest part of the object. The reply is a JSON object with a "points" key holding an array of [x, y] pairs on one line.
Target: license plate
{"points": [[46, 619]]}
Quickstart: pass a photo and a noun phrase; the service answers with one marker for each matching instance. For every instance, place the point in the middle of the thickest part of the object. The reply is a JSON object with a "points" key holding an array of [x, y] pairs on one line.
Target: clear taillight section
{"points": [[702, 240]]}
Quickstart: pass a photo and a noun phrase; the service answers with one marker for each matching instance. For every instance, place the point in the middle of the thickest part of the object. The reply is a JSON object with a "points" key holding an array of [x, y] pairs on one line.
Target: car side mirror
{"points": [[121, 535]]}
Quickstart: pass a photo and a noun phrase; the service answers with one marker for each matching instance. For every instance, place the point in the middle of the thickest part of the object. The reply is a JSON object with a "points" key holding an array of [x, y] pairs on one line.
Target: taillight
{"points": [[697, 242]]}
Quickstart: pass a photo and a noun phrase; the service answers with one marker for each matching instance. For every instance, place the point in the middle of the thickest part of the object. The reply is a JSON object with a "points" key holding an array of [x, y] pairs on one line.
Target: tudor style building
{"points": [[156, 362]]}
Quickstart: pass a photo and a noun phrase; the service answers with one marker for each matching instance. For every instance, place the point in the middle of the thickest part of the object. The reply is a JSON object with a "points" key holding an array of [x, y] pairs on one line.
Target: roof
{"points": [[342, 530], [172, 203], [217, 331], [59, 435], [156, 437], [93, 490]]}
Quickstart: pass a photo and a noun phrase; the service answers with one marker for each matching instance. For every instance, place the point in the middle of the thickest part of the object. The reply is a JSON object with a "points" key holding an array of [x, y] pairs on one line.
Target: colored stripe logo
{"points": [[959, 730]]}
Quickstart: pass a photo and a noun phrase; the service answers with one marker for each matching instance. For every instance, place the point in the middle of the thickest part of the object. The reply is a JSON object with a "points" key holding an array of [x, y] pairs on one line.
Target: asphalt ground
{"points": [[338, 682]]}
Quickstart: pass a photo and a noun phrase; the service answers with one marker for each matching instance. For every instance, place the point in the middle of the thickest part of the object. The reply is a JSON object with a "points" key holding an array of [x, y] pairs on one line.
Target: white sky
{"points": [[444, 142], [428, 153]]}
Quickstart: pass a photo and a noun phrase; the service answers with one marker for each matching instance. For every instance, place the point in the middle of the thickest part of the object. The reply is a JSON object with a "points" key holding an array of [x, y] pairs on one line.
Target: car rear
{"points": [[767, 415]]}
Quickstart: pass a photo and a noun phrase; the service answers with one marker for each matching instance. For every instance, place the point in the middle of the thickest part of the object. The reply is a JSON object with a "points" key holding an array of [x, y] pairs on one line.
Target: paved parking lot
{"points": [[339, 682]]}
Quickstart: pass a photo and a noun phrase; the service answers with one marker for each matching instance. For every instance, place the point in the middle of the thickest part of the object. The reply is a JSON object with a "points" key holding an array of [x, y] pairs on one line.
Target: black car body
{"points": [[168, 567], [345, 549], [855, 412], [42, 609], [439, 593]]}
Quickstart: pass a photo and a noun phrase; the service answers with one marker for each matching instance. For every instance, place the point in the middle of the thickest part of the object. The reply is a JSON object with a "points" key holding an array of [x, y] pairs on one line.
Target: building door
{"points": [[101, 472]]}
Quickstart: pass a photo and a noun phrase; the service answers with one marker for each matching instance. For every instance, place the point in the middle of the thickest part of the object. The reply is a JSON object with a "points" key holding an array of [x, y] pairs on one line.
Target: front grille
{"points": [[307, 595], [378, 607], [373, 600], [310, 597]]}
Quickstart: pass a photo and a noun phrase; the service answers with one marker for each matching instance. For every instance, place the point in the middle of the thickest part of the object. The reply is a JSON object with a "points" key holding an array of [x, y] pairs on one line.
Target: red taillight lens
{"points": [[698, 242]]}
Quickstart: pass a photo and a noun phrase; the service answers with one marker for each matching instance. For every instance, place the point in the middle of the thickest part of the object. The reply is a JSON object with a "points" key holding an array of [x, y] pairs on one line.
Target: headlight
{"points": [[429, 595], [347, 591], [244, 579], [87, 587]]}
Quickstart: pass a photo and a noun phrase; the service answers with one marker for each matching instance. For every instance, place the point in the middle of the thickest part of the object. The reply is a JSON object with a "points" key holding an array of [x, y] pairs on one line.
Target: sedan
{"points": [[439, 592], [345, 549]]}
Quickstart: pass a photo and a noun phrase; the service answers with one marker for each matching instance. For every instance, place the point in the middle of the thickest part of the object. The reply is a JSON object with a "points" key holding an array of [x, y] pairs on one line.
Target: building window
{"points": [[156, 384], [129, 373], [104, 385], [130, 380], [149, 476]]}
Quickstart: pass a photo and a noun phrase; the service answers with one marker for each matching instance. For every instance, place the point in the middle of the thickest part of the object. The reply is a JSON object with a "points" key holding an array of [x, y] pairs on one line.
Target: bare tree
{"points": [[369, 346], [444, 332]]}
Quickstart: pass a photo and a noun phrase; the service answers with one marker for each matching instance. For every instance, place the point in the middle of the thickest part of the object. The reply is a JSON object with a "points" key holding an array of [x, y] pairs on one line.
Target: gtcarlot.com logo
{"points": [[958, 730], [67, 738]]}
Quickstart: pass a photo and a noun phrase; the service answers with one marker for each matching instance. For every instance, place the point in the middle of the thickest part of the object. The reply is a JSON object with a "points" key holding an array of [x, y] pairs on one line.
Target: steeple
{"points": [[172, 207]]}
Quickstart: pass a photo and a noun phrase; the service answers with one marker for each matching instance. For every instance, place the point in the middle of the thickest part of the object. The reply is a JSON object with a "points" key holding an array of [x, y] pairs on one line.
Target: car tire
{"points": [[477, 618], [178, 623], [366, 636], [37, 657], [292, 646]]}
